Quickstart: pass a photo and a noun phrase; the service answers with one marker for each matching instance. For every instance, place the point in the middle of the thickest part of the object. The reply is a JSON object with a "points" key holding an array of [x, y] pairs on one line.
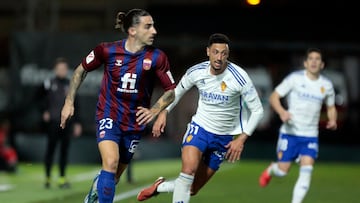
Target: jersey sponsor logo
{"points": [[223, 86], [213, 97], [147, 64], [90, 57], [310, 97], [118, 62], [128, 83]]}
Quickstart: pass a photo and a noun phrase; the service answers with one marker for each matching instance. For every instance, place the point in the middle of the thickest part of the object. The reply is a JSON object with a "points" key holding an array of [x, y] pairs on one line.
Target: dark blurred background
{"points": [[268, 40]]}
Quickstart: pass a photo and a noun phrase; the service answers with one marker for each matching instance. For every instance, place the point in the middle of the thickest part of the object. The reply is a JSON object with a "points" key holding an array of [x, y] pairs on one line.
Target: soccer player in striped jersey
{"points": [[219, 128], [132, 66], [306, 91]]}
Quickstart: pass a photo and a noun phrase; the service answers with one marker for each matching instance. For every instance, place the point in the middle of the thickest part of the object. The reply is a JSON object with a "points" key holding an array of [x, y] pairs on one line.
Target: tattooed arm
{"points": [[68, 109], [145, 116]]}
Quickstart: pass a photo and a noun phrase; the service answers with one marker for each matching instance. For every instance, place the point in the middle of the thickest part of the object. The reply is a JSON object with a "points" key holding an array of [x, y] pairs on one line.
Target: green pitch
{"points": [[234, 183]]}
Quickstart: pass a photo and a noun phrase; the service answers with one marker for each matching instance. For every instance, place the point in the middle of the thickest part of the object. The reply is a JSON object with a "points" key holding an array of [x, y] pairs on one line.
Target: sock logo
{"points": [[107, 191]]}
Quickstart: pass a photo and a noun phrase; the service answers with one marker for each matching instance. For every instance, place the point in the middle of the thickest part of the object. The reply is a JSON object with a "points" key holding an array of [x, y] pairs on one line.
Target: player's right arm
{"points": [[68, 109], [280, 91], [278, 108]]}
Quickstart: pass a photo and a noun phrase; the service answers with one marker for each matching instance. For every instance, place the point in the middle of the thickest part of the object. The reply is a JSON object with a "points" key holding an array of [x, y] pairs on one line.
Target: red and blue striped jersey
{"points": [[128, 80]]}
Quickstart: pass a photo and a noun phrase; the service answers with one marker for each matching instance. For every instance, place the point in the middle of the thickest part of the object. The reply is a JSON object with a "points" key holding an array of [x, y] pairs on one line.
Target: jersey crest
{"points": [[223, 86], [147, 64]]}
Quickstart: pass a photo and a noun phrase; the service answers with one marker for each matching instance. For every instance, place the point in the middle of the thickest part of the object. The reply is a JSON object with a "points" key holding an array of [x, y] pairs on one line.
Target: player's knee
{"points": [[278, 171], [110, 165]]}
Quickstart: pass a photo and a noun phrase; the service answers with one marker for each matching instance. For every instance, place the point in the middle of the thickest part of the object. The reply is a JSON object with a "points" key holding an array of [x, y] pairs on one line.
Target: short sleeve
{"points": [[94, 59]]}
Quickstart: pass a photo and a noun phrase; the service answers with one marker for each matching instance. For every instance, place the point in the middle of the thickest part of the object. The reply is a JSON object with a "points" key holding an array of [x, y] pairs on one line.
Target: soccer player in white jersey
{"points": [[306, 91], [220, 126]]}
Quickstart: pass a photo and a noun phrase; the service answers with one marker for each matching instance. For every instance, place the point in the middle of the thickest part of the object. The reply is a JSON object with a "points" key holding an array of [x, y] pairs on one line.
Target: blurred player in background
{"points": [[306, 90], [220, 126], [132, 67], [54, 91], [8, 155]]}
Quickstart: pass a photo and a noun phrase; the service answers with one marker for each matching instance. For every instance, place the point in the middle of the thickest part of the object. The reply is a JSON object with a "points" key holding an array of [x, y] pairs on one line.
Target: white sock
{"points": [[276, 171], [302, 184], [182, 188], [167, 186]]}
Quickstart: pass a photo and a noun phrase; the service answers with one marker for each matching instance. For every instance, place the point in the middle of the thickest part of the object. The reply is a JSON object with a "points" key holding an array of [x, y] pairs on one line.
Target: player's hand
{"points": [[144, 115], [77, 130], [235, 147], [285, 116], [46, 116], [66, 113], [331, 125], [159, 124]]}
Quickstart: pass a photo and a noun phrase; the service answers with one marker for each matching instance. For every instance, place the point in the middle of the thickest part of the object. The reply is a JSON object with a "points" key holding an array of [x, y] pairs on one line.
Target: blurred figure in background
{"points": [[306, 90], [8, 155], [54, 91]]}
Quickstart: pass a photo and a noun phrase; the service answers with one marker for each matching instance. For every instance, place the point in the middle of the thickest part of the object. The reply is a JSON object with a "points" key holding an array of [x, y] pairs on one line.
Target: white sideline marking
{"points": [[125, 195], [5, 187], [84, 176]]}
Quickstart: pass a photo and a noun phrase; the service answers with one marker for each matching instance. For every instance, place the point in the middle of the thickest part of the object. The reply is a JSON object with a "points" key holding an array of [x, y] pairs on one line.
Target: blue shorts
{"points": [[290, 147], [211, 145], [127, 141]]}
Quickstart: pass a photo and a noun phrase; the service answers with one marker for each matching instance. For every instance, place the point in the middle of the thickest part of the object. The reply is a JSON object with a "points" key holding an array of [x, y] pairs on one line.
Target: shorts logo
{"points": [[147, 64], [280, 154], [189, 138], [102, 134], [133, 146]]}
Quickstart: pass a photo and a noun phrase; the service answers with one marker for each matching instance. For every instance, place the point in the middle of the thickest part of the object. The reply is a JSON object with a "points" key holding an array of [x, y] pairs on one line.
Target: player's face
{"points": [[61, 70], [145, 30], [218, 54], [313, 63]]}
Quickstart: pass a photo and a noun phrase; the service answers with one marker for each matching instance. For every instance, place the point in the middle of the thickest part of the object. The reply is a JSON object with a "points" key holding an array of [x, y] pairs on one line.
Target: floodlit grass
{"points": [[234, 183]]}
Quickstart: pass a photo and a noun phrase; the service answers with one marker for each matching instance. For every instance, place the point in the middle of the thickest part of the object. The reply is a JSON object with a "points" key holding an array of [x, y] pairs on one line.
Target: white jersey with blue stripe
{"points": [[305, 98], [222, 98]]}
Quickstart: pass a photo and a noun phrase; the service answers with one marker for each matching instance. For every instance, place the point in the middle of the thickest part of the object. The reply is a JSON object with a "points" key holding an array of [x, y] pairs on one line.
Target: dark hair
{"points": [[60, 60], [218, 38], [131, 18], [311, 50]]}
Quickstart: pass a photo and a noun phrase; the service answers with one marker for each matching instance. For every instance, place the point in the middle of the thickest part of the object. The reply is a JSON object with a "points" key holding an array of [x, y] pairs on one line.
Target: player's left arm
{"points": [[332, 116], [254, 104]]}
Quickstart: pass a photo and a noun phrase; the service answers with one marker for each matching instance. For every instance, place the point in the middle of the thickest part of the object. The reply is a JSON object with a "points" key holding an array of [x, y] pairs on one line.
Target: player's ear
{"points": [[132, 31], [207, 51]]}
